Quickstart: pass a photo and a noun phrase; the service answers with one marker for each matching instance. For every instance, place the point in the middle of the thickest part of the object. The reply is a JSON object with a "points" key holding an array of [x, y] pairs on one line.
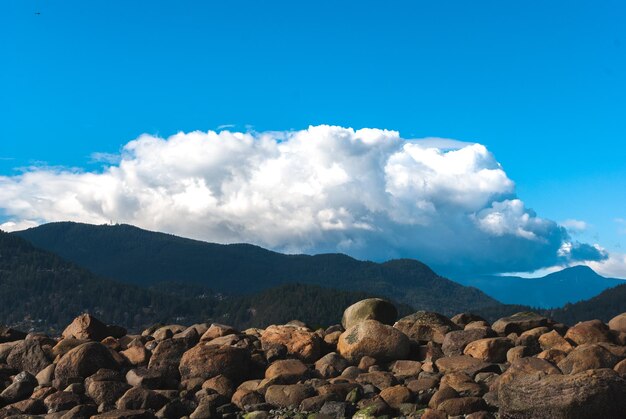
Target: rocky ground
{"points": [[373, 365]]}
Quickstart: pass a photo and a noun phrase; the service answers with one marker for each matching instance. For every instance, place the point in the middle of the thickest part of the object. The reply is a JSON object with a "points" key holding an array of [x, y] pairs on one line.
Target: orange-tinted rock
{"points": [[396, 395], [86, 327], [592, 331], [299, 341], [372, 338], [519, 323], [209, 361], [489, 349], [552, 340], [425, 326], [586, 357]]}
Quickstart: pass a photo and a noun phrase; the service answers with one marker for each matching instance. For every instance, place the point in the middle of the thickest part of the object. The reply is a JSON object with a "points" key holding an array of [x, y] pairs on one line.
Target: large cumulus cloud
{"points": [[368, 193]]}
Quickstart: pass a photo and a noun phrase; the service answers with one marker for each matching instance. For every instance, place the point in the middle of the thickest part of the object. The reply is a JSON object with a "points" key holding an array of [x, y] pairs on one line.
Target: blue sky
{"points": [[541, 84]]}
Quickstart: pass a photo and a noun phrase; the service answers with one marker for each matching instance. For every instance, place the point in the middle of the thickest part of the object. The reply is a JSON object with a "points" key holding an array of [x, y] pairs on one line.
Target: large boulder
{"points": [[86, 327], [299, 341], [165, 358], [464, 363], [206, 362], [288, 395], [28, 355], [81, 362], [586, 395], [552, 340], [519, 323], [372, 338], [618, 323], [592, 331], [287, 371], [369, 309], [526, 366], [425, 326], [586, 357]]}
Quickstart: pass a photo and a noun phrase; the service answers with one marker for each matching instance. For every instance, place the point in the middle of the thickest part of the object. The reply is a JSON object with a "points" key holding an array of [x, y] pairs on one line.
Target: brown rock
{"points": [[462, 383], [61, 400], [28, 355], [126, 414], [86, 327], [444, 393], [166, 357], [221, 384], [288, 395], [464, 363], [396, 395], [64, 346], [489, 349], [426, 326], [8, 334], [527, 366], [586, 395], [552, 355], [463, 319], [380, 379], [167, 332], [244, 397], [519, 323], [331, 365], [217, 330], [136, 355], [369, 309], [106, 392], [592, 331], [462, 406], [287, 371], [405, 368], [454, 342], [299, 341], [141, 398], [552, 340], [618, 323], [620, 367], [209, 361], [516, 352], [372, 338], [81, 362], [586, 357]]}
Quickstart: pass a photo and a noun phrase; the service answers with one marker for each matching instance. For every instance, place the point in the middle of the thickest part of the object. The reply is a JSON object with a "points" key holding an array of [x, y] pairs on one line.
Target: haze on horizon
{"points": [[481, 138]]}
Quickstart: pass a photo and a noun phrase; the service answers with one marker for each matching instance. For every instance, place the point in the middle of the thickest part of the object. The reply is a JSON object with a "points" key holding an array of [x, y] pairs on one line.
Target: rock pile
{"points": [[421, 366]]}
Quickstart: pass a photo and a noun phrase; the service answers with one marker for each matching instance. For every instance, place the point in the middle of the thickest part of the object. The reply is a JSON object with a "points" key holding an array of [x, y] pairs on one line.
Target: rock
{"points": [[489, 349], [30, 407], [8, 334], [337, 409], [107, 392], [166, 357], [244, 397], [81, 362], [299, 342], [592, 331], [21, 388], [331, 365], [462, 406], [45, 376], [519, 323], [444, 393], [126, 414], [620, 367], [61, 400], [425, 326], [288, 395], [177, 409], [617, 323], [586, 357], [396, 395], [315, 403], [81, 411], [464, 363], [370, 309], [381, 379], [209, 361], [405, 368], [64, 346], [220, 384], [28, 355], [217, 330], [86, 327], [553, 356], [454, 342], [589, 394], [137, 355], [372, 338], [463, 319], [167, 332], [147, 378], [141, 398], [526, 366], [287, 371], [552, 340]]}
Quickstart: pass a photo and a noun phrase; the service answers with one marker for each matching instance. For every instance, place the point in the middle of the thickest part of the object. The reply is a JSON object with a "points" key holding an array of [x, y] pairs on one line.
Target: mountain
{"points": [[42, 292], [569, 285], [132, 255], [603, 306]]}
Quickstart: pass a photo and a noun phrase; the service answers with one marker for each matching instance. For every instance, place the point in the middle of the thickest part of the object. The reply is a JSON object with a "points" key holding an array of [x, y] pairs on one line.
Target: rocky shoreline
{"points": [[373, 365]]}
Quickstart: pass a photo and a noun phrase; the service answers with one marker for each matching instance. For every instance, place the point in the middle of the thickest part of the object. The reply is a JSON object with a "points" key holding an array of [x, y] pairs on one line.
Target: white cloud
{"points": [[613, 267], [367, 192], [575, 226]]}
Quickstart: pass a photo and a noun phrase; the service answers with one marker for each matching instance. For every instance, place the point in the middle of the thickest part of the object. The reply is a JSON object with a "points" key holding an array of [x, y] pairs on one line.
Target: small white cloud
{"points": [[18, 225], [575, 226]]}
